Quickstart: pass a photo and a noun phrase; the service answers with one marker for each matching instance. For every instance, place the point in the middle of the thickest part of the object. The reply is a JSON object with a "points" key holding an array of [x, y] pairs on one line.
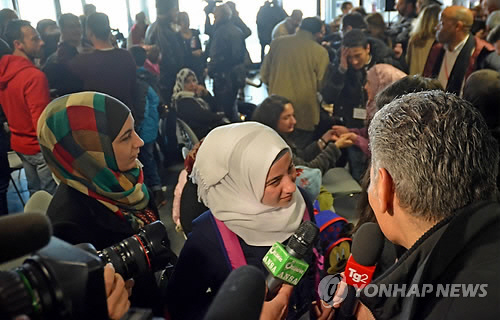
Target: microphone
{"points": [[285, 264], [23, 233], [367, 246], [240, 296]]}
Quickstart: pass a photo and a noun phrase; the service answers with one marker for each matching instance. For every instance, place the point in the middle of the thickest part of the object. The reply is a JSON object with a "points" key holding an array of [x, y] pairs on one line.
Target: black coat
{"points": [[173, 54], [346, 90], [77, 218], [462, 250], [198, 118], [227, 48]]}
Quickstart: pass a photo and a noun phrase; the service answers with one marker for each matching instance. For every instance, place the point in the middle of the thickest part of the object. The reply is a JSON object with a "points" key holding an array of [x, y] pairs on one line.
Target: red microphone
{"points": [[367, 245], [358, 275]]}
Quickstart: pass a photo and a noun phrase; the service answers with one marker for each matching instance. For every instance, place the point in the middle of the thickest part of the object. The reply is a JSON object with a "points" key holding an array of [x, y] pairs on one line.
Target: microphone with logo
{"points": [[367, 246], [286, 264]]}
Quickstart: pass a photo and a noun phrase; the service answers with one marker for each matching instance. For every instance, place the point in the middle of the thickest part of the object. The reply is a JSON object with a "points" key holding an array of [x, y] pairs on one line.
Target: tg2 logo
{"points": [[358, 277]]}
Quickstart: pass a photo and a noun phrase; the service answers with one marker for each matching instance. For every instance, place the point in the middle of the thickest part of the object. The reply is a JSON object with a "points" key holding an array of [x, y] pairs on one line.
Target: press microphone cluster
{"points": [[367, 246], [286, 264]]}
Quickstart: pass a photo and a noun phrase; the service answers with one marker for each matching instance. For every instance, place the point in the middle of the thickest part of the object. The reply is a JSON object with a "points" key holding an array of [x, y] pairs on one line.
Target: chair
{"points": [[345, 191], [185, 135], [38, 202], [15, 163]]}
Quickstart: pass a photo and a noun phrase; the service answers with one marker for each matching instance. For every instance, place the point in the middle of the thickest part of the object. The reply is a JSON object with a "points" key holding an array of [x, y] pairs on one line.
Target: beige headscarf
{"points": [[231, 169]]}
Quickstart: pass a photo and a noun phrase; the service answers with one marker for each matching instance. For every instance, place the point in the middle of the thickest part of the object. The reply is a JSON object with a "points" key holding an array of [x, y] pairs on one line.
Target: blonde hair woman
{"points": [[422, 37]]}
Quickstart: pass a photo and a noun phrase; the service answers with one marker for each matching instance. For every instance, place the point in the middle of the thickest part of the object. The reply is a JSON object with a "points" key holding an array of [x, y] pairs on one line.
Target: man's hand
{"points": [[328, 136], [481, 34], [197, 53], [340, 130], [117, 292], [343, 59], [323, 310], [277, 308], [345, 140], [398, 50]]}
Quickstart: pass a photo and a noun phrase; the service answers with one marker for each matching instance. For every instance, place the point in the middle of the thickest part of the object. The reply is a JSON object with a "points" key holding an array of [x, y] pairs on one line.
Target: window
{"points": [[194, 9], [152, 10], [71, 6], [116, 11], [6, 4], [34, 11], [308, 7], [136, 6]]}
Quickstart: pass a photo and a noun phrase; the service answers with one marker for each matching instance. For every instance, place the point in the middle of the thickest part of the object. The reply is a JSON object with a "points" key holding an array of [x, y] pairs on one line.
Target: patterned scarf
{"points": [[76, 133]]}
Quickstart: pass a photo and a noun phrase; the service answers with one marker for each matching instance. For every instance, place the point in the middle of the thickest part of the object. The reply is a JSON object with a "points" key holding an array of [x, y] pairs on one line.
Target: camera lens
{"points": [[60, 281], [147, 251], [31, 290]]}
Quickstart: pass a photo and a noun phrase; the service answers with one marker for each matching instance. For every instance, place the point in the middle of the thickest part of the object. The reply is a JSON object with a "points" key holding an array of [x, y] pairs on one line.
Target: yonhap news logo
{"points": [[333, 290], [454, 290]]}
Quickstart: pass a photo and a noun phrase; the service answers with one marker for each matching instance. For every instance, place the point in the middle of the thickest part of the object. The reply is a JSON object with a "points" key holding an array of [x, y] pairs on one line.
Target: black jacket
{"points": [[227, 48], [269, 15], [462, 250], [77, 218], [346, 90], [173, 54], [199, 119]]}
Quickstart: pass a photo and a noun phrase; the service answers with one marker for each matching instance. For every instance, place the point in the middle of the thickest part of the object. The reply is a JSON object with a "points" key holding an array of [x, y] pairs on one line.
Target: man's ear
{"points": [[385, 190], [18, 45], [368, 47]]}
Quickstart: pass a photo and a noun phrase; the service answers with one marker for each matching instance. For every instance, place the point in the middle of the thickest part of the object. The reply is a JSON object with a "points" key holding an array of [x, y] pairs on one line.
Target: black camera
{"points": [[146, 251], [59, 282], [62, 281]]}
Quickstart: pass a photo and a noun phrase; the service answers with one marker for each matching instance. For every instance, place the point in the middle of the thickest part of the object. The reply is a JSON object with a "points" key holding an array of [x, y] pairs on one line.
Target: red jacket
{"points": [[24, 94]]}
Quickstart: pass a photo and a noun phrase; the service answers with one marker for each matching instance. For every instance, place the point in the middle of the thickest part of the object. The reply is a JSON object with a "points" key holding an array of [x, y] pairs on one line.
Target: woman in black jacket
{"points": [[195, 105], [89, 142]]}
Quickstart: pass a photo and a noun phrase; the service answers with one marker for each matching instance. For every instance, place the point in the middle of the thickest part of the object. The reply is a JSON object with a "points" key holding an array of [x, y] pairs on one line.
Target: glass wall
{"points": [[116, 11], [308, 7], [6, 4], [71, 6], [35, 11]]}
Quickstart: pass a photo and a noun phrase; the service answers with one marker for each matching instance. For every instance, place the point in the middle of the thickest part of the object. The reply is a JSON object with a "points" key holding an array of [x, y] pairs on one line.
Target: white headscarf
{"points": [[231, 169], [180, 93]]}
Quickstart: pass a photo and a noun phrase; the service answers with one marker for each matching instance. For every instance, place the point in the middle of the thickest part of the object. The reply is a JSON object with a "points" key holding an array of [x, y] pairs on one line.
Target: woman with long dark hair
{"points": [[277, 112]]}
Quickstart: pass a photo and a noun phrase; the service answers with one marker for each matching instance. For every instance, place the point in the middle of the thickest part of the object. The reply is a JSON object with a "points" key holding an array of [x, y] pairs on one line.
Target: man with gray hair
{"points": [[433, 191], [493, 20]]}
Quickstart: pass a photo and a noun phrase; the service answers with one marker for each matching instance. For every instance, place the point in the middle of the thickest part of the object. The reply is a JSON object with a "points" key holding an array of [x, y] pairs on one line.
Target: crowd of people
{"points": [[409, 108]]}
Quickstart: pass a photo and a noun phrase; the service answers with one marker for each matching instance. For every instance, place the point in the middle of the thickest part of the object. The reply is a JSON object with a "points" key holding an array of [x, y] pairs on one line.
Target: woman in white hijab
{"points": [[245, 176]]}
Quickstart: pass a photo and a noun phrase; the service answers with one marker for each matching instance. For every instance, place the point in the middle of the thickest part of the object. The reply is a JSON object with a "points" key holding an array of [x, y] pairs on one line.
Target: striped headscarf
{"points": [[76, 133]]}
